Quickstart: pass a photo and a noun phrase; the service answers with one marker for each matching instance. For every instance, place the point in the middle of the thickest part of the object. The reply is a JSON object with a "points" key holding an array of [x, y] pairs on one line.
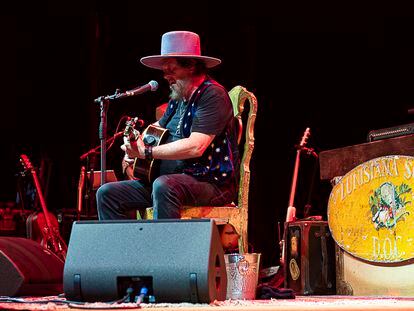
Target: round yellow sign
{"points": [[370, 210]]}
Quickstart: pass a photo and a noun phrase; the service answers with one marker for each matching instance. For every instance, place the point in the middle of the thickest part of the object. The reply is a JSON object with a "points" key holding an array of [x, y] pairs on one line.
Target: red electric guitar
{"points": [[45, 225], [291, 211]]}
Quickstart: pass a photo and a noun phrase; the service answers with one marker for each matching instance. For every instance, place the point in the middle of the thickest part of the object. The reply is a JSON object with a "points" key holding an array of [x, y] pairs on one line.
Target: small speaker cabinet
{"points": [[310, 258]]}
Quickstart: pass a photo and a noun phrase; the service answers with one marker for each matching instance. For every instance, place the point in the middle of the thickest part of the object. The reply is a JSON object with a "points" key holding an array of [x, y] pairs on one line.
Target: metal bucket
{"points": [[242, 275]]}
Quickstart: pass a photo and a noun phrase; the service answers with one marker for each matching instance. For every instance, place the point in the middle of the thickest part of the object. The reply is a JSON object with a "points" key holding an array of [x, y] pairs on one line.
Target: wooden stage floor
{"points": [[300, 303]]}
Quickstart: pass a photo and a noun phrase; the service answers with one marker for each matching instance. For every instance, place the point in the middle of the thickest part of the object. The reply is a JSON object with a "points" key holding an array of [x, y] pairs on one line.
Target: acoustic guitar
{"points": [[45, 222], [143, 169]]}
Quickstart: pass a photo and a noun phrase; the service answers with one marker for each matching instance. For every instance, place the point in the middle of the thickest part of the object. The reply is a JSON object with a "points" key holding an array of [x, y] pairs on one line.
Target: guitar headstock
{"points": [[130, 125], [130, 132], [24, 160], [305, 137]]}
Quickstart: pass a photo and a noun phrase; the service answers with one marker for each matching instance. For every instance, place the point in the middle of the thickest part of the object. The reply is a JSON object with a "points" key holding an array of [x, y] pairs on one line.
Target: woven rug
{"points": [[301, 303]]}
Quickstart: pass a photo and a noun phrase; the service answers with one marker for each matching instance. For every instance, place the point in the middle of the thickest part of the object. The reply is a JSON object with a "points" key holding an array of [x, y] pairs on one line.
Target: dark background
{"points": [[341, 70]]}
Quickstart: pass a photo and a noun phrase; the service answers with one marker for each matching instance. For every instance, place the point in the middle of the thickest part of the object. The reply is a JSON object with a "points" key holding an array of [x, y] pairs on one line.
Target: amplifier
{"points": [[310, 258], [389, 132]]}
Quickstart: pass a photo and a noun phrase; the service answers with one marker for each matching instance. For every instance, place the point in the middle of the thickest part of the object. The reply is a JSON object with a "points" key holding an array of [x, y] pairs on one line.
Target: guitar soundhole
{"points": [[150, 140]]}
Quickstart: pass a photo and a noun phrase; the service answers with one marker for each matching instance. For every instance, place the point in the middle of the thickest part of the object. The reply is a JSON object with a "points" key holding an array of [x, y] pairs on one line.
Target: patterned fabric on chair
{"points": [[235, 214]]}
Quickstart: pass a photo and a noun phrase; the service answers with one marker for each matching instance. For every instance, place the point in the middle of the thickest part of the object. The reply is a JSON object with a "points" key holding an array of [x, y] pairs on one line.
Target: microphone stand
{"points": [[104, 104]]}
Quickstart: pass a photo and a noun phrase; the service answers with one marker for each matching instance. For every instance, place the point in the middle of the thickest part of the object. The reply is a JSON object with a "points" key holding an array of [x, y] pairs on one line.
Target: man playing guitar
{"points": [[198, 163]]}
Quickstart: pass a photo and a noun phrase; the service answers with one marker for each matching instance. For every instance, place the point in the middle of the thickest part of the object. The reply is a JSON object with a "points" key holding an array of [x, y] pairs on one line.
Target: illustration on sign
{"points": [[388, 205]]}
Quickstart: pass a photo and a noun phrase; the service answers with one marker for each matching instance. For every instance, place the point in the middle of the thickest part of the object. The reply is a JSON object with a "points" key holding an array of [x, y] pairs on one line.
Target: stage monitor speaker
{"points": [[176, 260], [28, 269]]}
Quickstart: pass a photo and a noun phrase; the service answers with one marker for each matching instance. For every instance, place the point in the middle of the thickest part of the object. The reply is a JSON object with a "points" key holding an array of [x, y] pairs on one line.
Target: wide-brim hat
{"points": [[181, 44]]}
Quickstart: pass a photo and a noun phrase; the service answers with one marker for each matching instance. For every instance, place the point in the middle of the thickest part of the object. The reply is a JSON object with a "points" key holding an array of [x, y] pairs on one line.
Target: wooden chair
{"points": [[235, 214]]}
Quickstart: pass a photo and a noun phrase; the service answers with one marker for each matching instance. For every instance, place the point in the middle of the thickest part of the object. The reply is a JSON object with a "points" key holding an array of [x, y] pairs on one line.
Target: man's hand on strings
{"points": [[134, 148]]}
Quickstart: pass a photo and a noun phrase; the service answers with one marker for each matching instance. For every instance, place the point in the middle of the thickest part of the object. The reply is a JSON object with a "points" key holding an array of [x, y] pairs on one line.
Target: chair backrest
{"points": [[239, 97]]}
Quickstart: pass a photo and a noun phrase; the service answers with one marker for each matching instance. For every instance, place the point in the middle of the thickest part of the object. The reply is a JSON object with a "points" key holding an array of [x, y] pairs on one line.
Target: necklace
{"points": [[182, 107]]}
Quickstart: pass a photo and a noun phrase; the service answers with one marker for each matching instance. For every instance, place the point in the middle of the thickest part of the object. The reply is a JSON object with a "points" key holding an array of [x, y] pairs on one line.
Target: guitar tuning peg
{"points": [[141, 123]]}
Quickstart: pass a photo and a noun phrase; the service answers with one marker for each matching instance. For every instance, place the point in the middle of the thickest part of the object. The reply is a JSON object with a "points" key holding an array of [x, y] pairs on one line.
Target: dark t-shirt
{"points": [[214, 113]]}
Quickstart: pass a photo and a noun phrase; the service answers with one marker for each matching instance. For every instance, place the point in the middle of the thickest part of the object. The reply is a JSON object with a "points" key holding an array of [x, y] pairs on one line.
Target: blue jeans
{"points": [[116, 200]]}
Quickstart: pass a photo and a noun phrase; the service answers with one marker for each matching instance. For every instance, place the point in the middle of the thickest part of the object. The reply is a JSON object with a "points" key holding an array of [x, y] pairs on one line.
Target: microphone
{"points": [[150, 86]]}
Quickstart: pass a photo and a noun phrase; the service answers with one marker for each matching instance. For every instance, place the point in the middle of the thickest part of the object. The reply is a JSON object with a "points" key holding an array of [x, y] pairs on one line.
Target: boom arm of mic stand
{"points": [[95, 150], [116, 95]]}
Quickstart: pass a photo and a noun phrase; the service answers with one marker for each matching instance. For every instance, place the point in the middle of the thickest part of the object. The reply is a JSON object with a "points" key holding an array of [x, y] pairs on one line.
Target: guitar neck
{"points": [[80, 190], [41, 198], [291, 211]]}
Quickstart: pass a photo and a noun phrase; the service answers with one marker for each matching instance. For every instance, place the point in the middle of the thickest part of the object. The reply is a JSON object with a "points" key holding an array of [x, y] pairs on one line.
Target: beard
{"points": [[180, 90]]}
